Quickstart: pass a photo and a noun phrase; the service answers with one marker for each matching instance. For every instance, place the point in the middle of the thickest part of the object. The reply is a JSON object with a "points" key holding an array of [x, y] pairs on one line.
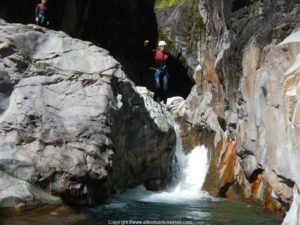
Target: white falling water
{"points": [[195, 171], [194, 167]]}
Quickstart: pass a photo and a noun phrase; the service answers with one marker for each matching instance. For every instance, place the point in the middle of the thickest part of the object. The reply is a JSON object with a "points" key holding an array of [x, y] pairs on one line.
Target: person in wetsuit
{"points": [[161, 75], [40, 13]]}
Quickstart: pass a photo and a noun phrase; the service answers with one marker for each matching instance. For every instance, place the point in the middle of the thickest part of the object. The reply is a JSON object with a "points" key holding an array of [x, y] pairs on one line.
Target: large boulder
{"points": [[71, 122]]}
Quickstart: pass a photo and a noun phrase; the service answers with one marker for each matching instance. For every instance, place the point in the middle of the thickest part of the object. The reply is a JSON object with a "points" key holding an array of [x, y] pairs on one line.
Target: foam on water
{"points": [[192, 179], [193, 167]]}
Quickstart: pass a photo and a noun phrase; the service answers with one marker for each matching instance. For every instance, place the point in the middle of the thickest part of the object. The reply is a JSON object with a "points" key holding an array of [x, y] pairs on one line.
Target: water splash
{"points": [[195, 171], [193, 167]]}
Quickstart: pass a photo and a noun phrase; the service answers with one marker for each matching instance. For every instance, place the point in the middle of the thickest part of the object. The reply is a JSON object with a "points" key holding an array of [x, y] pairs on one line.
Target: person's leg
{"points": [[41, 19], [165, 87], [157, 82]]}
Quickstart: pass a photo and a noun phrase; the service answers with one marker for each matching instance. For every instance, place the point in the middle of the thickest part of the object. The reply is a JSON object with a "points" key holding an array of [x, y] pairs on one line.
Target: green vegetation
{"points": [[166, 3]]}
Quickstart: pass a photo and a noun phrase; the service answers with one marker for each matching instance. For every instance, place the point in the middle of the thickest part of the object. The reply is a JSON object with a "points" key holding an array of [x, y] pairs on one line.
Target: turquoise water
{"points": [[139, 206]]}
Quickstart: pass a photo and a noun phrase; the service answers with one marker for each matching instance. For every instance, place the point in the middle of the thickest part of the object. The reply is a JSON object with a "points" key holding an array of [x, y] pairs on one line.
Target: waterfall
{"points": [[193, 168], [194, 172], [189, 169]]}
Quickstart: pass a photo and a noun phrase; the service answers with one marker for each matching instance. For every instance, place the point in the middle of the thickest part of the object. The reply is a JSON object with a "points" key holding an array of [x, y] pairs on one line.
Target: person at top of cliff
{"points": [[161, 75], [40, 13]]}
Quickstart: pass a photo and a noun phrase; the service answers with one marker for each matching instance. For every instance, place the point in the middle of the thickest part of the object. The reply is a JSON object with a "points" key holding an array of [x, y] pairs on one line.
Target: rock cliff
{"points": [[73, 127], [244, 106]]}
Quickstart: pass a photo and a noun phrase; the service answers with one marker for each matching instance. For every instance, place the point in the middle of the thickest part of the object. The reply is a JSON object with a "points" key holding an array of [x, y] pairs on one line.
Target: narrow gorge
{"points": [[83, 140]]}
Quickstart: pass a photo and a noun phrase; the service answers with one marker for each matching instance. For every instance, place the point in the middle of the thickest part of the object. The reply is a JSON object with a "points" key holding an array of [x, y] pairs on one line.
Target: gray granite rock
{"points": [[72, 123], [19, 194]]}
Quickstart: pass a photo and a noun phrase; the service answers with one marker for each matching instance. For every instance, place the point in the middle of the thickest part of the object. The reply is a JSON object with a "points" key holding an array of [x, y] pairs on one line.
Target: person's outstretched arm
{"points": [[146, 45], [179, 54], [173, 57]]}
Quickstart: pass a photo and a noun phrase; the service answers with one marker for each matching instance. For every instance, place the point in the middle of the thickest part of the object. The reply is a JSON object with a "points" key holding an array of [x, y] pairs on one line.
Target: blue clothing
{"points": [[41, 18], [161, 73], [161, 78]]}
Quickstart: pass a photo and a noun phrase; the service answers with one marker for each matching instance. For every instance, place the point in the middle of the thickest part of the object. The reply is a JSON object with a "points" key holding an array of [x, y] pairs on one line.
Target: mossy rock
{"points": [[161, 4]]}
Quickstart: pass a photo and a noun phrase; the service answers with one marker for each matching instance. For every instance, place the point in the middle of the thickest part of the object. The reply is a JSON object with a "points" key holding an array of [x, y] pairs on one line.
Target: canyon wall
{"points": [[244, 106]]}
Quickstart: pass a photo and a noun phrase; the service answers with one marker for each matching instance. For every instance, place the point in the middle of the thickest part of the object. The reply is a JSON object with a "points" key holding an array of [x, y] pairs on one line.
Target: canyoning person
{"points": [[40, 13], [161, 75]]}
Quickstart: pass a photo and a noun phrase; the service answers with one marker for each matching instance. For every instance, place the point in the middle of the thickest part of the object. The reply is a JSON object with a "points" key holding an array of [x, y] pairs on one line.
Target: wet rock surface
{"points": [[19, 194]]}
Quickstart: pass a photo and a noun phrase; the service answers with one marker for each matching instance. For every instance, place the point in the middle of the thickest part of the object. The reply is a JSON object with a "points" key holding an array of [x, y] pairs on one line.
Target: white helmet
{"points": [[162, 43]]}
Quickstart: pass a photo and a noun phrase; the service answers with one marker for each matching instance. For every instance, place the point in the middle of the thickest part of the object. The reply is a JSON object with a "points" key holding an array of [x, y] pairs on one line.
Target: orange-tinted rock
{"points": [[226, 164], [212, 182], [256, 186], [271, 205]]}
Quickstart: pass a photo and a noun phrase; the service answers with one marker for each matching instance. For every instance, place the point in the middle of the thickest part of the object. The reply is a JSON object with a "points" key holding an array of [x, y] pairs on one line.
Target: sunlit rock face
{"points": [[72, 124], [244, 105]]}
